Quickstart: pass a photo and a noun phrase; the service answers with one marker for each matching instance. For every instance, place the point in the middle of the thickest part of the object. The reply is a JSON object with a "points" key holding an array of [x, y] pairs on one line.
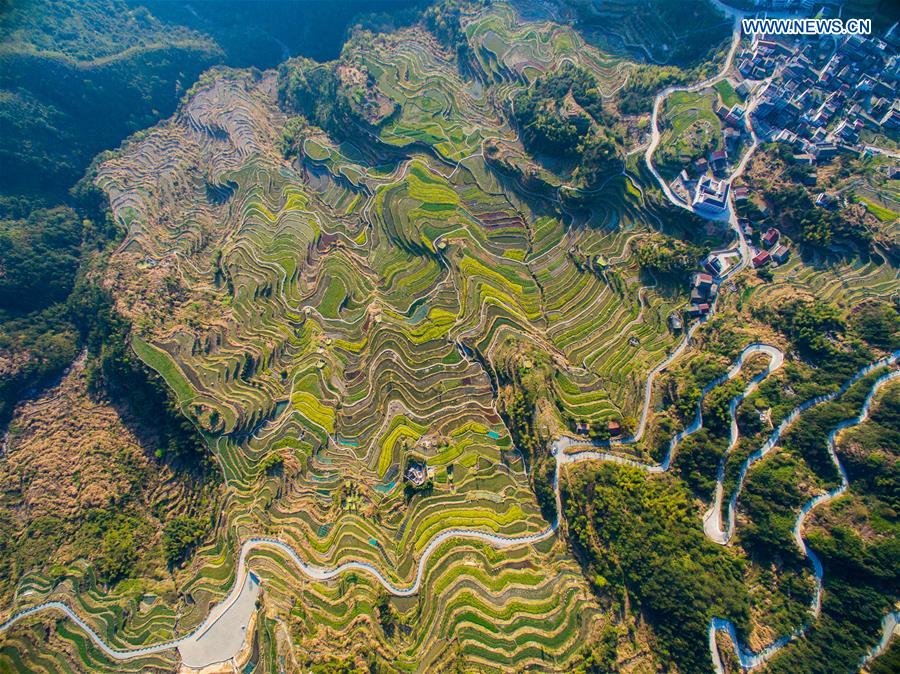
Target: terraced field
{"points": [[326, 321], [691, 130], [335, 316]]}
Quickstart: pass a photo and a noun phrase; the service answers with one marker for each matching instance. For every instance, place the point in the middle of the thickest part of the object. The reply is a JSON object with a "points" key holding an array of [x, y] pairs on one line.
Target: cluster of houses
{"points": [[773, 249], [613, 428], [820, 111], [705, 286]]}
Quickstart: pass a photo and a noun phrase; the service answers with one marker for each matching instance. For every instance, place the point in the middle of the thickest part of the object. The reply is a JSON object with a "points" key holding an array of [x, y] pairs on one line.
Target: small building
{"points": [[826, 200], [713, 264], [614, 428], [416, 473], [891, 119], [781, 253], [701, 165], [701, 288], [761, 259], [770, 237], [735, 116], [741, 193], [702, 282], [697, 296], [711, 195], [717, 160], [732, 140], [581, 427], [824, 152], [675, 323]]}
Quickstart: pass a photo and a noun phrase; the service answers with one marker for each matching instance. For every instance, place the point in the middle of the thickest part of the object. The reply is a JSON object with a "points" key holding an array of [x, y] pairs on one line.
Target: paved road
{"points": [[222, 633], [662, 95], [749, 659], [729, 215], [220, 626]]}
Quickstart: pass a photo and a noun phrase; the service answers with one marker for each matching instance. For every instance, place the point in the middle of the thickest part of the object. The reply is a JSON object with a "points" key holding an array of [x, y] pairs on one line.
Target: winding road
{"points": [[729, 214], [563, 456], [566, 452]]}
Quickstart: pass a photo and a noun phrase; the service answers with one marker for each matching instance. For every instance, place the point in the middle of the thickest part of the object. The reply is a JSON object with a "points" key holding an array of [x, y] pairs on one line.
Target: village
{"points": [[821, 97]]}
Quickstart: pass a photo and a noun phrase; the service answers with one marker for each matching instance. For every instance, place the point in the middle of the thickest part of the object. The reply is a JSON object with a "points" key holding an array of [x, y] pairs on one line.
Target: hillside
{"points": [[395, 361]]}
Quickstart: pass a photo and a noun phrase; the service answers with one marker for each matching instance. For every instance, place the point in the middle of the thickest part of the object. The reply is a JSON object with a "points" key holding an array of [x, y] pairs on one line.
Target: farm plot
{"points": [[690, 130], [333, 323]]}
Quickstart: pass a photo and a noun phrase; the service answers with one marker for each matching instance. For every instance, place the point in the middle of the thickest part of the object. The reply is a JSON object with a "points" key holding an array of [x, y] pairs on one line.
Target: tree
{"points": [[38, 258], [180, 535]]}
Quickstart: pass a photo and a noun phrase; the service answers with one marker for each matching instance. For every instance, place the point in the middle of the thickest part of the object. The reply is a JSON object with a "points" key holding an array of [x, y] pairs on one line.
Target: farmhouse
{"points": [[717, 160], [416, 473], [761, 259], [781, 253]]}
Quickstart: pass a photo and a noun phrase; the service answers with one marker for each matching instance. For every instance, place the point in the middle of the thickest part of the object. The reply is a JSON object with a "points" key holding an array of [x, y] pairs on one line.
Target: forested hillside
{"points": [[77, 78]]}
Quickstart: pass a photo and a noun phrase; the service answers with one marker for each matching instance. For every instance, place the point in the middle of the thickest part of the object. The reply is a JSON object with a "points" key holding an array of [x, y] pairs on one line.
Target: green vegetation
{"points": [[519, 412], [857, 540], [727, 93], [690, 130], [771, 498], [845, 226], [180, 536], [115, 369], [39, 258], [562, 115], [372, 291], [668, 257], [878, 323], [41, 343], [883, 213], [682, 34], [641, 542], [815, 226], [39, 254], [444, 19], [117, 546], [889, 662], [318, 92], [811, 325], [820, 332], [643, 84], [76, 82]]}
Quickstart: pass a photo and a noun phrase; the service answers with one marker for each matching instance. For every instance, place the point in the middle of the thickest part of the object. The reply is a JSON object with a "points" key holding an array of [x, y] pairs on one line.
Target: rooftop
{"points": [[711, 194]]}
